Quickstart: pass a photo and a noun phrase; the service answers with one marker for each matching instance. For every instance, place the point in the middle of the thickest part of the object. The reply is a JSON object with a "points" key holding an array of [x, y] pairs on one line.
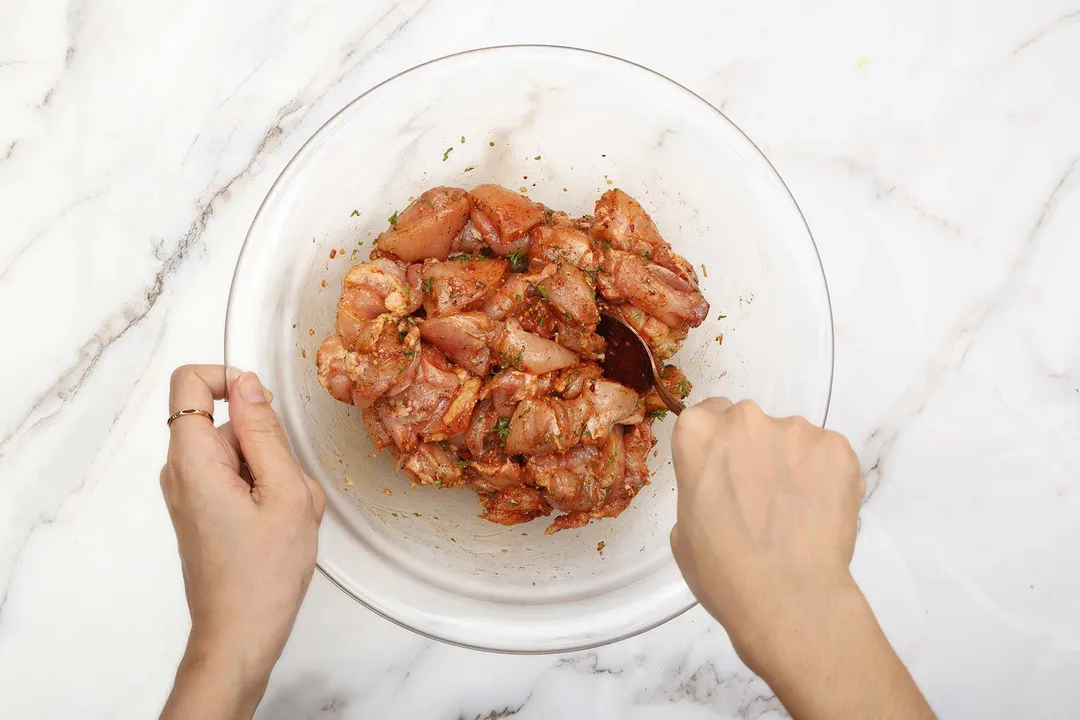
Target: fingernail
{"points": [[250, 388], [232, 374]]}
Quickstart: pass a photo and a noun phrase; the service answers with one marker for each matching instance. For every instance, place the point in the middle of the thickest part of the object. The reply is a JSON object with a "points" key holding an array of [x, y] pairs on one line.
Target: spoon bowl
{"points": [[629, 361]]}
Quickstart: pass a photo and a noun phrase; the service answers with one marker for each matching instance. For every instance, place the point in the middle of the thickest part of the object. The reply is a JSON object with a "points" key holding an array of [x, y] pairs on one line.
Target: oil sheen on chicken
{"points": [[469, 343]]}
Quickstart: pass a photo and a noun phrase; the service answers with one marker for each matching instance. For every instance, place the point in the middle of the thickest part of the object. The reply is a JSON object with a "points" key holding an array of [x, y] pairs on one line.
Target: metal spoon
{"points": [[629, 361]]}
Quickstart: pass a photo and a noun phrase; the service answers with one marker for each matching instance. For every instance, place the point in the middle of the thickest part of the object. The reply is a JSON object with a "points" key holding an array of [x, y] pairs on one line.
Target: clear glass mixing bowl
{"points": [[566, 125]]}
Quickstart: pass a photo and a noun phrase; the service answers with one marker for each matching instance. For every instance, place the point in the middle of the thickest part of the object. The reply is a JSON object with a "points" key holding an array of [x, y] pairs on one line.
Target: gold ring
{"points": [[190, 411]]}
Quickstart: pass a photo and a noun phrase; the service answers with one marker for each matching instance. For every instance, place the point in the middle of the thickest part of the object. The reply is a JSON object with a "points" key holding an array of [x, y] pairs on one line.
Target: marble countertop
{"points": [[933, 147]]}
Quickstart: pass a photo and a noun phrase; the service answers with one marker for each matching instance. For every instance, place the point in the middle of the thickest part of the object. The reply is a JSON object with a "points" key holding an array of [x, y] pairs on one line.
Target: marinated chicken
{"points": [[469, 341]]}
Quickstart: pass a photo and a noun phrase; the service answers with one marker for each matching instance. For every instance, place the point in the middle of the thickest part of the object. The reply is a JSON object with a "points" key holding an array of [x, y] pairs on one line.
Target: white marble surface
{"points": [[934, 148]]}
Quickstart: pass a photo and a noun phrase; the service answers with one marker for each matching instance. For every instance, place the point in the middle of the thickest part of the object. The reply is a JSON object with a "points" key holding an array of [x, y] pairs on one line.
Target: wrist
{"points": [[789, 629], [217, 678]]}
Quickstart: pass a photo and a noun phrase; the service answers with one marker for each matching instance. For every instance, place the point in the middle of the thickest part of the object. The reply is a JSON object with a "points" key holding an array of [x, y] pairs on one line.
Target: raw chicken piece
{"points": [[514, 505], [560, 244], [572, 380], [624, 225], [548, 424], [469, 240], [330, 361], [603, 404], [567, 478], [658, 292], [436, 406], [461, 283], [509, 387], [542, 425], [387, 366], [508, 299], [427, 228], [481, 437], [372, 289], [515, 348], [571, 294], [492, 473], [376, 429], [463, 338], [431, 464], [504, 218], [637, 441], [619, 488], [621, 222], [611, 464]]}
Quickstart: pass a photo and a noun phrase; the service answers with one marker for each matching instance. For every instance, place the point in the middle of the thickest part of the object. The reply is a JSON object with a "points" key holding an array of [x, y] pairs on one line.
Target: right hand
{"points": [[767, 516]]}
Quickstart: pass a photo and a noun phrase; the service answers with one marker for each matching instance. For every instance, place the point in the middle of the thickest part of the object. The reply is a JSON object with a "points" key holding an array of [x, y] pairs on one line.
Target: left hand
{"points": [[246, 519]]}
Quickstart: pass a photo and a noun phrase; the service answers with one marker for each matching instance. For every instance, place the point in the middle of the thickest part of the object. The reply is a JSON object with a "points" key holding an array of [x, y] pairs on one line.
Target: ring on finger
{"points": [[189, 411]]}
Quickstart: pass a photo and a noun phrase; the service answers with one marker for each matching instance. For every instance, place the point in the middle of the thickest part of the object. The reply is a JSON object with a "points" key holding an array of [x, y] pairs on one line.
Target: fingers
{"points": [[261, 437], [196, 386]]}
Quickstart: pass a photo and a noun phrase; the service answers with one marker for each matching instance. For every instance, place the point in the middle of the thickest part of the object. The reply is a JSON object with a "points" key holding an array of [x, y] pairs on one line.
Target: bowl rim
{"points": [[651, 625]]}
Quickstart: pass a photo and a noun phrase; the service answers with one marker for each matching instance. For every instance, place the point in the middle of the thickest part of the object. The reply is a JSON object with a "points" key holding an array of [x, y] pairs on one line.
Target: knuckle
{"points": [[748, 407], [181, 374], [693, 425]]}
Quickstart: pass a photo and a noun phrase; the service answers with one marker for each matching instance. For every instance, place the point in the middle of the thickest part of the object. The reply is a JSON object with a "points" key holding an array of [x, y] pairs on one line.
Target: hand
{"points": [[246, 519], [767, 517]]}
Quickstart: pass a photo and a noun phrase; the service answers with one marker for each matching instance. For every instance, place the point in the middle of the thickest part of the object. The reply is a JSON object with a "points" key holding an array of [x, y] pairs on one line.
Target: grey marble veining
{"points": [[932, 147]]}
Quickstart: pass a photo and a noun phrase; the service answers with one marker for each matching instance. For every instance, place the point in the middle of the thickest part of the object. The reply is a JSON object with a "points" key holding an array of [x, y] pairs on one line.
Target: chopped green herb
{"points": [[683, 387], [541, 323], [721, 317], [658, 414], [519, 262], [512, 503], [470, 168], [392, 219], [585, 432], [410, 353], [536, 158], [355, 213], [491, 143], [549, 437], [462, 139], [453, 540], [462, 258], [461, 463], [543, 291], [446, 155], [437, 483], [427, 284], [518, 297], [502, 428], [360, 244]]}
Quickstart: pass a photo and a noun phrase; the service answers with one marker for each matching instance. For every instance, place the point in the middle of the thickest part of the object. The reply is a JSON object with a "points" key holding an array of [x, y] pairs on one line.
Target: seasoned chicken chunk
{"points": [[427, 228]]}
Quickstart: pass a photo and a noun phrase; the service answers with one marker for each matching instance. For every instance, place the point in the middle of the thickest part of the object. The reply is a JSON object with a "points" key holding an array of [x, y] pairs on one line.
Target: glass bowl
{"points": [[565, 125]]}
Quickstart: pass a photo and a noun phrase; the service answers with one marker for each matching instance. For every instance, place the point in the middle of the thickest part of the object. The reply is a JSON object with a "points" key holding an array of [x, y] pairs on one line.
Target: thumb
{"points": [[261, 437]]}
